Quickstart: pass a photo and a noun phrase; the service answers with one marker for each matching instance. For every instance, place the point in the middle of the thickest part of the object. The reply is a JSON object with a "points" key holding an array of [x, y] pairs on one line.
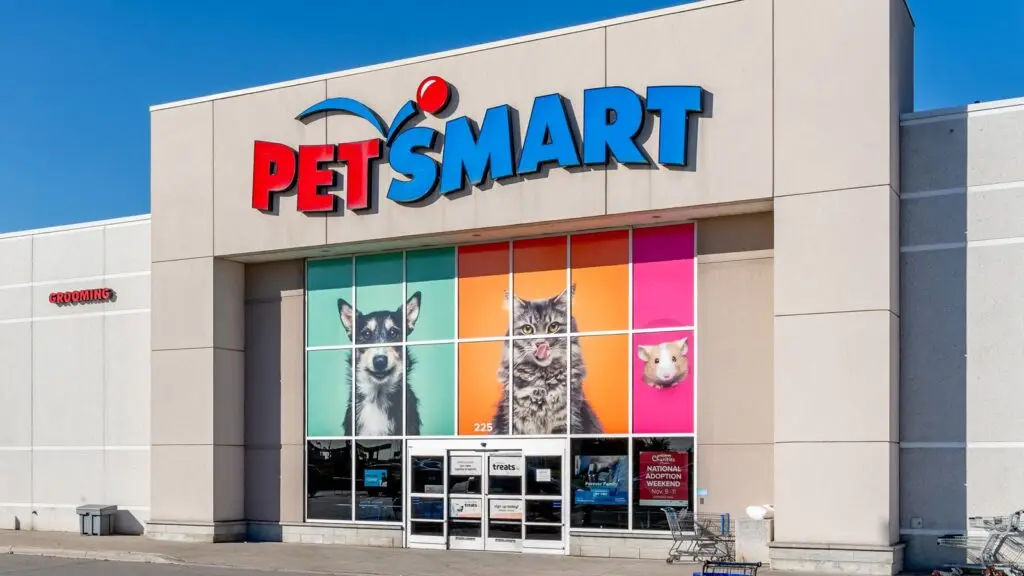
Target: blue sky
{"points": [[78, 77]]}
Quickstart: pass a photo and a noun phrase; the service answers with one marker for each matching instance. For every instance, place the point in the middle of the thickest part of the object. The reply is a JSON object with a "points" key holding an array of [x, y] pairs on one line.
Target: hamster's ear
{"points": [[643, 353], [684, 347], [347, 315]]}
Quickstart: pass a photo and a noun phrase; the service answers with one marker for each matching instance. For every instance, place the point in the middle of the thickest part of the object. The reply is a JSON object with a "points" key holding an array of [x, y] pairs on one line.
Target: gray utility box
{"points": [[96, 519]]}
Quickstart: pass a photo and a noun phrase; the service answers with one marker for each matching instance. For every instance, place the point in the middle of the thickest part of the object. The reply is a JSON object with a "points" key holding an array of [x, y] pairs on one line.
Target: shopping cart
{"points": [[729, 569], [700, 537], [994, 546]]}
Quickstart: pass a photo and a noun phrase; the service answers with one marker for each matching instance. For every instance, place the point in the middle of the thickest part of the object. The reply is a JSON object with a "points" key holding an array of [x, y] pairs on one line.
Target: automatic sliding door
{"points": [[465, 501], [505, 502]]}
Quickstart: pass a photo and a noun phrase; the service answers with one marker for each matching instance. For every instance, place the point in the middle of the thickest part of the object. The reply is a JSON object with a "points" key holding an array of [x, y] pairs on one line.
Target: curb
{"points": [[109, 555]]}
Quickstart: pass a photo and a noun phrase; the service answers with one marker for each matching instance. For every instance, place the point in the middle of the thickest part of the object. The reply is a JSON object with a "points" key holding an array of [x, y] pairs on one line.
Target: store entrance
{"points": [[507, 496]]}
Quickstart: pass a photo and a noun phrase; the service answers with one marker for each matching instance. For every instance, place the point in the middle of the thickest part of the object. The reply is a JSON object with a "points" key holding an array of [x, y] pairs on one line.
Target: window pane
{"points": [[427, 474], [600, 272], [379, 290], [603, 406], [663, 273], [663, 368], [543, 532], [600, 484], [379, 480], [431, 275], [543, 475], [466, 474], [380, 371], [329, 480], [505, 475], [483, 281], [483, 400], [430, 390], [427, 528], [427, 508], [662, 476], [328, 392], [328, 284], [544, 511]]}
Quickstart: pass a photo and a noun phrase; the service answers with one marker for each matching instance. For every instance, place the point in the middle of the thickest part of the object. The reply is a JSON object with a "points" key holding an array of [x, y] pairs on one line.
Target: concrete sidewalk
{"points": [[328, 559]]}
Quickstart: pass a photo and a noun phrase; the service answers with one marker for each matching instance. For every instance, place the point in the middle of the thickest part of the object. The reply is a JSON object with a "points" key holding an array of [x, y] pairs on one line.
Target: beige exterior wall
{"points": [[735, 431], [802, 107]]}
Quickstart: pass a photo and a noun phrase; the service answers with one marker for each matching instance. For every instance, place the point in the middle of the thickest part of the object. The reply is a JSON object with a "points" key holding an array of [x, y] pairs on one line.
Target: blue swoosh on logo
{"points": [[404, 114], [349, 105]]}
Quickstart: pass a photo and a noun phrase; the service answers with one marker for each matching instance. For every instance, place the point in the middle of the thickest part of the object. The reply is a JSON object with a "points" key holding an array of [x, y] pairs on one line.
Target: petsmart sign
{"points": [[613, 118]]}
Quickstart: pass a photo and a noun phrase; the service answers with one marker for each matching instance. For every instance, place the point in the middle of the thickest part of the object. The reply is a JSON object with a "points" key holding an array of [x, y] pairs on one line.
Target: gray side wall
{"points": [[962, 251], [74, 380]]}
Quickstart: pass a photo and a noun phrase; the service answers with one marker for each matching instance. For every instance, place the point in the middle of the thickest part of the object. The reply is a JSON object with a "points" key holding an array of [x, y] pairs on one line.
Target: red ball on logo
{"points": [[433, 94]]}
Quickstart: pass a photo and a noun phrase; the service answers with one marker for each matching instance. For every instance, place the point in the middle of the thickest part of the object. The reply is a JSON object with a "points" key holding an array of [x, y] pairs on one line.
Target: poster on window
{"points": [[505, 510], [465, 508], [664, 479], [601, 480]]}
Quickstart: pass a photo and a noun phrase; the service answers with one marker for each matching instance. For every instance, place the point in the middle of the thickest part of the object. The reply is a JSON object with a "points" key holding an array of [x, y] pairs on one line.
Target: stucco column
{"points": [[198, 328], [841, 80]]}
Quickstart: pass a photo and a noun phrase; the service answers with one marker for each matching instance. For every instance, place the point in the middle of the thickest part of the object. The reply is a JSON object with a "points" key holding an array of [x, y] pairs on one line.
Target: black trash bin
{"points": [[96, 519]]}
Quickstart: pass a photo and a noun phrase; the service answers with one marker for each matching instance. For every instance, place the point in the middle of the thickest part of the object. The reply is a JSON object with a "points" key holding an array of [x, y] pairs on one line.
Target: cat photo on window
{"points": [[534, 374]]}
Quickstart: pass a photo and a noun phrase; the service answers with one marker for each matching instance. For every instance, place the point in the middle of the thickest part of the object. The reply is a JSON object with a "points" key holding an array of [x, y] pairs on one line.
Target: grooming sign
{"points": [[472, 152], [90, 296]]}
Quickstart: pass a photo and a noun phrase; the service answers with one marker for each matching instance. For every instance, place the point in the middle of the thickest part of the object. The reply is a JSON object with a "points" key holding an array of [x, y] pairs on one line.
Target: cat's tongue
{"points": [[543, 351]]}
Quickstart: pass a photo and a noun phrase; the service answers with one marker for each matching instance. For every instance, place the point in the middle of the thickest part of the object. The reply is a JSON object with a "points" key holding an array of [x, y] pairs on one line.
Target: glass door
{"points": [[504, 492], [466, 500], [544, 526], [426, 500]]}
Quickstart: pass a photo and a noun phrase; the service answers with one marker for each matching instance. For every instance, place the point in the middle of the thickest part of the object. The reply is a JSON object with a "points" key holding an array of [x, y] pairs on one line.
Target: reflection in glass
{"points": [[662, 476], [427, 508], [543, 532], [426, 528], [329, 480], [379, 480], [544, 511], [464, 529], [543, 475], [505, 530], [600, 483], [465, 474], [427, 474]]}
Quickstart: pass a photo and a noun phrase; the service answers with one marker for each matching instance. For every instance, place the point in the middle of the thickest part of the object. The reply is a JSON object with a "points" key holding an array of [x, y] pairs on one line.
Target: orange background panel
{"points": [[600, 270], [538, 267], [606, 385], [479, 388], [483, 280]]}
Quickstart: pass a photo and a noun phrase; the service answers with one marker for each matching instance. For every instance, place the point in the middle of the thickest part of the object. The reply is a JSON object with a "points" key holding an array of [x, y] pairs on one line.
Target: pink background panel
{"points": [[662, 411], [663, 273]]}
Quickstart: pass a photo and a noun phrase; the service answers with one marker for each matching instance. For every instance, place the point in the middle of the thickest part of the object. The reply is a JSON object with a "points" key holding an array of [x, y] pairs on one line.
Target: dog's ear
{"points": [[412, 312], [643, 353], [347, 315]]}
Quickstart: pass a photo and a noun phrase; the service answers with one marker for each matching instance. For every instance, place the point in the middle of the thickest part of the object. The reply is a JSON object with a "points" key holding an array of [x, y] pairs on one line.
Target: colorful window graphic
{"points": [[586, 334]]}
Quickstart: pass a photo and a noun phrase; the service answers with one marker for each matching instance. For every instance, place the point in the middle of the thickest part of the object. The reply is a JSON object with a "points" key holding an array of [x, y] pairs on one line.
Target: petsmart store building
{"points": [[525, 295]]}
